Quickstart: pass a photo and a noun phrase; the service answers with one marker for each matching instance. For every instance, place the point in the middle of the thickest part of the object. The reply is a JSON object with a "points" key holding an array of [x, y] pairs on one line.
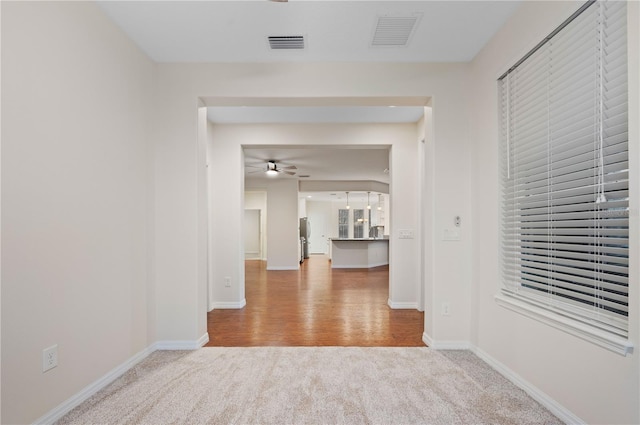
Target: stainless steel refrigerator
{"points": [[305, 234]]}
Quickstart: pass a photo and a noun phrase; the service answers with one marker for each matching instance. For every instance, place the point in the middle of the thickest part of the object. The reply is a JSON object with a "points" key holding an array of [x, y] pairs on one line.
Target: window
{"points": [[358, 223], [564, 173], [343, 223]]}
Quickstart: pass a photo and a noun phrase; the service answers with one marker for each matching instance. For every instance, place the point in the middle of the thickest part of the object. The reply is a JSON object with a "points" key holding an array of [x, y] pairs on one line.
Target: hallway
{"points": [[315, 306]]}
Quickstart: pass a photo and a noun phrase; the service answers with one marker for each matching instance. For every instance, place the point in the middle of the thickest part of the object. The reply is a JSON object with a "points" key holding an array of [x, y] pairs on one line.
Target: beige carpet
{"points": [[310, 385]]}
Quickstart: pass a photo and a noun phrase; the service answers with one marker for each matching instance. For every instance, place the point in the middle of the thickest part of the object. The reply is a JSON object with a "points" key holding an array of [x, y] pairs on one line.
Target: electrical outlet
{"points": [[451, 235], [49, 358], [405, 234], [227, 281], [446, 309]]}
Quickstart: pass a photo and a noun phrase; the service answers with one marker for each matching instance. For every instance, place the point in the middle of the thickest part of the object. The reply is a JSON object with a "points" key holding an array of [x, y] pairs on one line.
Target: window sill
{"points": [[581, 330]]}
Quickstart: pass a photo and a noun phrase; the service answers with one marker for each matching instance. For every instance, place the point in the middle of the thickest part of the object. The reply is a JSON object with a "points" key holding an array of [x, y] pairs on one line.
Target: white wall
{"points": [[596, 385], [76, 202], [226, 219], [283, 225], [0, 220], [321, 219], [423, 214], [258, 201], [252, 233], [302, 207], [445, 190], [283, 249]]}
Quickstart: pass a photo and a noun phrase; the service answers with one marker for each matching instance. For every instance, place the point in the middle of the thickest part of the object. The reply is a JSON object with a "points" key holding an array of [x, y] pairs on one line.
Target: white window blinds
{"points": [[564, 171]]}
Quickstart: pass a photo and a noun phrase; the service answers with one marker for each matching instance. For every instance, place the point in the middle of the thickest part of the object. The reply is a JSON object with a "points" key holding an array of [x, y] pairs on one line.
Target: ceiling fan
{"points": [[272, 168]]}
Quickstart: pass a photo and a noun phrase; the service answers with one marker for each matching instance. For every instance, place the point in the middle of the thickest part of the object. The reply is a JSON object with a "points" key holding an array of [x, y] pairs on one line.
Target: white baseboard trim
{"points": [[275, 268], [358, 266], [74, 401], [451, 345], [534, 392], [428, 341], [549, 403], [402, 305], [228, 304], [182, 344], [65, 407], [445, 345]]}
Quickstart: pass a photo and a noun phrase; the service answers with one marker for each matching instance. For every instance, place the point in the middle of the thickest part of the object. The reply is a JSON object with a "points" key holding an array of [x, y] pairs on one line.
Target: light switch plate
{"points": [[451, 235]]}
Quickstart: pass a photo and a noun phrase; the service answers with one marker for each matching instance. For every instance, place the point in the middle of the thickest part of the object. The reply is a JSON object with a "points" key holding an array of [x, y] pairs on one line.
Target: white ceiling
{"points": [[314, 114], [334, 31], [355, 198]]}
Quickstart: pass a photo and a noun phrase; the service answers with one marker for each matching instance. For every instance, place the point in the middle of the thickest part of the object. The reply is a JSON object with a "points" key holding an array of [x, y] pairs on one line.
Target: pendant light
{"points": [[348, 201], [368, 201], [379, 202]]}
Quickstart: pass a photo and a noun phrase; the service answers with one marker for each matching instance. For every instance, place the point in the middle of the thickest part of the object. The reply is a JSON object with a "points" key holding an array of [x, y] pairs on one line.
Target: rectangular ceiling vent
{"points": [[394, 30], [286, 42]]}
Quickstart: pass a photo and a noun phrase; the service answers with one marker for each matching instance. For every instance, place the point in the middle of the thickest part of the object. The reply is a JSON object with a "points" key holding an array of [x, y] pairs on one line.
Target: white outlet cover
{"points": [[405, 234], [49, 358]]}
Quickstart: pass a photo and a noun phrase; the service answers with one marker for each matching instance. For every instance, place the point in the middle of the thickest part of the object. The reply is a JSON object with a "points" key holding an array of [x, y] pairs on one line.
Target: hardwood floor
{"points": [[315, 306]]}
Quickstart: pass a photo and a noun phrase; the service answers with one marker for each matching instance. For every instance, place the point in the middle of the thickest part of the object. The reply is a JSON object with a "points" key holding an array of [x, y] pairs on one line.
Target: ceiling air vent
{"points": [[394, 30], [286, 42]]}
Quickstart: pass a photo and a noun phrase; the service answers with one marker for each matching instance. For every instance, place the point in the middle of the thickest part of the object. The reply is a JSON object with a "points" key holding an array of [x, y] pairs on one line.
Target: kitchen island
{"points": [[359, 253]]}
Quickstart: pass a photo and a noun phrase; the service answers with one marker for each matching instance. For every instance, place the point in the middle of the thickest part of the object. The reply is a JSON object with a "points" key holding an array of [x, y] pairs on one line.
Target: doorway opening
{"points": [[252, 235], [404, 274]]}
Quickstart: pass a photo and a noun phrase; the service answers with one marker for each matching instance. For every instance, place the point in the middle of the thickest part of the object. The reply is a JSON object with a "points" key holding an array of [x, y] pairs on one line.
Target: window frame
{"points": [[358, 223], [561, 316]]}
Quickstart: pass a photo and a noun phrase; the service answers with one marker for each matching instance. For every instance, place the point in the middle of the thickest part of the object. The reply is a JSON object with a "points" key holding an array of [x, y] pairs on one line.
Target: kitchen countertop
{"points": [[357, 253], [359, 239]]}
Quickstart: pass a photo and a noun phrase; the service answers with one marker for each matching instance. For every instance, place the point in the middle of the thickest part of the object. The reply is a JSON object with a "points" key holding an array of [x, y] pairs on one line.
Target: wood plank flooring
{"points": [[315, 306]]}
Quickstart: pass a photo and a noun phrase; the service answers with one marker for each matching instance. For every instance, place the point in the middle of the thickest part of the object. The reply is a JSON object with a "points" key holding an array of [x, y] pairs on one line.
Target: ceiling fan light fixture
{"points": [[272, 169]]}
